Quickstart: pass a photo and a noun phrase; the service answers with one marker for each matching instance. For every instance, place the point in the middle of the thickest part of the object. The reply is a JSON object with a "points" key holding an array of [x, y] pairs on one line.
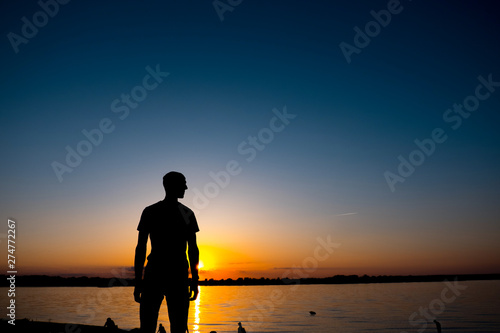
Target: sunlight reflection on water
{"points": [[196, 326], [341, 308]]}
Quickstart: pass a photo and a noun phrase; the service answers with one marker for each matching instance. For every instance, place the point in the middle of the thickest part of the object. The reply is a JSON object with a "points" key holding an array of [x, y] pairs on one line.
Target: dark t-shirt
{"points": [[169, 226]]}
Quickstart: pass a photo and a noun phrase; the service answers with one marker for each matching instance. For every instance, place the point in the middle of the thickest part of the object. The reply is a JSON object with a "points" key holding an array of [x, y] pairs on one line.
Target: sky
{"points": [[317, 137]]}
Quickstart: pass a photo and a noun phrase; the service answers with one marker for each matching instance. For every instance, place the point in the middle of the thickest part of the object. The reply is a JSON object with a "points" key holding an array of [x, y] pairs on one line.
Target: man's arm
{"points": [[194, 259], [140, 258]]}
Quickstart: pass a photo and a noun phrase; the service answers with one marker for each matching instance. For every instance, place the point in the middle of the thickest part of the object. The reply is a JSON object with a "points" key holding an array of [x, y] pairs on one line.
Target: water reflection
{"points": [[196, 325], [382, 307]]}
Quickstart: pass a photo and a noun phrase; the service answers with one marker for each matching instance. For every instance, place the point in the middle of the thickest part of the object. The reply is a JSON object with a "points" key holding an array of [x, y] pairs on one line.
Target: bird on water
{"points": [[438, 325], [241, 329]]}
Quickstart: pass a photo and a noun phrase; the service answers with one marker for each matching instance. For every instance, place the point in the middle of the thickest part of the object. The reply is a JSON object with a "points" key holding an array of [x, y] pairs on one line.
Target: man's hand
{"points": [[193, 290], [137, 292]]}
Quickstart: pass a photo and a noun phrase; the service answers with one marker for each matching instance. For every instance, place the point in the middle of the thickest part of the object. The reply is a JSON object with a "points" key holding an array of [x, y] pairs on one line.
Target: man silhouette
{"points": [[170, 226]]}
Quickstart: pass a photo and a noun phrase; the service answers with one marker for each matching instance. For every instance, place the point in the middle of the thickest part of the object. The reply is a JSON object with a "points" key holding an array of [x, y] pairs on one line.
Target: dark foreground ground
{"points": [[28, 326]]}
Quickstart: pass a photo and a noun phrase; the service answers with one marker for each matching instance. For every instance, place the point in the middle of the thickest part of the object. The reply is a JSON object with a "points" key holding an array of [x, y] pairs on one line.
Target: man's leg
{"points": [[178, 306], [150, 306]]}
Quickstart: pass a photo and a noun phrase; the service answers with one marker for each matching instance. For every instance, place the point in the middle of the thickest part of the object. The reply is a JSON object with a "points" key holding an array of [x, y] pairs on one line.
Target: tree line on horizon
{"points": [[85, 281]]}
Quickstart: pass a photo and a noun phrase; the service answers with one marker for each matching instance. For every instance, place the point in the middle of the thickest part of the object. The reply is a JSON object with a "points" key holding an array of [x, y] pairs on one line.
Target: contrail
{"points": [[345, 214]]}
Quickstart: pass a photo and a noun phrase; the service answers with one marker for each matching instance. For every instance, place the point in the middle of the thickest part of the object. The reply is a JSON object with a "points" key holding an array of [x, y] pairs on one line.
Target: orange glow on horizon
{"points": [[255, 256]]}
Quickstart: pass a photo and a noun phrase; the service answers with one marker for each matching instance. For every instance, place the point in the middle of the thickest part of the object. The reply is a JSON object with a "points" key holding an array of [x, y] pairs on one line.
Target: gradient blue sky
{"points": [[322, 175]]}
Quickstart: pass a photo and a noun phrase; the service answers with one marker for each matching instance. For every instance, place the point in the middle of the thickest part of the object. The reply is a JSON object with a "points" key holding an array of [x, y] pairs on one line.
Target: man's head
{"points": [[174, 184]]}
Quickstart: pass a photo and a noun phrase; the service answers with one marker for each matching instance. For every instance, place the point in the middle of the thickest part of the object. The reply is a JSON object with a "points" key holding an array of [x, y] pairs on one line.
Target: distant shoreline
{"points": [[84, 281]]}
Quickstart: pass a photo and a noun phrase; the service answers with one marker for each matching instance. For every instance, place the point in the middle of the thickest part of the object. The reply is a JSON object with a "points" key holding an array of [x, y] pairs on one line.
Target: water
{"points": [[470, 306]]}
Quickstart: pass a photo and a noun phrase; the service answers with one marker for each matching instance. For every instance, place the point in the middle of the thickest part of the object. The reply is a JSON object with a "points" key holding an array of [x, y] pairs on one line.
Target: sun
{"points": [[200, 264]]}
